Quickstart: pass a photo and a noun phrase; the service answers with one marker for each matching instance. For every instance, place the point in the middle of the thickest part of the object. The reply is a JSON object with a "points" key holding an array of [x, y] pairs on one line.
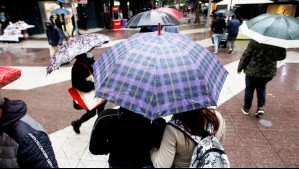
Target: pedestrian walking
{"points": [[259, 62], [58, 22], [128, 138], [55, 37], [23, 141], [80, 72], [233, 30], [176, 147], [74, 25], [218, 28], [84, 21]]}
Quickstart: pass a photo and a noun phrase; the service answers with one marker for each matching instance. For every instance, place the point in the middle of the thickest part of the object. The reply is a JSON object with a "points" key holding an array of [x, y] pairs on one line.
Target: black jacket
{"points": [[219, 26], [127, 136], [34, 149], [80, 71]]}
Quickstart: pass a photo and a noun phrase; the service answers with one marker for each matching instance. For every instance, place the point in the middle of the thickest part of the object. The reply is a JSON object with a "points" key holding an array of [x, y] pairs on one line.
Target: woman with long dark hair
{"points": [[176, 148]]}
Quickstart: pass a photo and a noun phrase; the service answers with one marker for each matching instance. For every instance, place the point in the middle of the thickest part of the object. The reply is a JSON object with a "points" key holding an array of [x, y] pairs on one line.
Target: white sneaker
{"points": [[260, 111]]}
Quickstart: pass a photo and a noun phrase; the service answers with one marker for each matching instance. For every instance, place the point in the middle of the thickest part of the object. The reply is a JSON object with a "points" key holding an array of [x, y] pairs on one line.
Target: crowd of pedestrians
{"points": [[130, 139]]}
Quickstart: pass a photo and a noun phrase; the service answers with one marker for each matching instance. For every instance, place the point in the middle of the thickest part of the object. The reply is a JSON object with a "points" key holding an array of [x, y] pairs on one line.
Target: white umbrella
{"points": [[228, 2], [273, 29]]}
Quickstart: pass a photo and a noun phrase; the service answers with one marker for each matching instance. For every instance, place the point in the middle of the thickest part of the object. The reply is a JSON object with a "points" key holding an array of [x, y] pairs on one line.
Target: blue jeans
{"points": [[217, 38], [258, 84]]}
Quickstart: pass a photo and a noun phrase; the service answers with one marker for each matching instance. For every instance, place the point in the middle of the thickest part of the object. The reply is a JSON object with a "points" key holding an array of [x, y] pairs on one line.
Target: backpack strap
{"points": [[86, 67], [180, 128]]}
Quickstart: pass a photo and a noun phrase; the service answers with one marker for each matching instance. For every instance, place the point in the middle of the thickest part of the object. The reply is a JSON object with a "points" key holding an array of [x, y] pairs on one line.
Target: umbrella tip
{"points": [[159, 29]]}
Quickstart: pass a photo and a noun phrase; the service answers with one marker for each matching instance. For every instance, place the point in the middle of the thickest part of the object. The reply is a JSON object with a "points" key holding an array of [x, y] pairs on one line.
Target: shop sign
{"points": [[82, 1], [115, 8]]}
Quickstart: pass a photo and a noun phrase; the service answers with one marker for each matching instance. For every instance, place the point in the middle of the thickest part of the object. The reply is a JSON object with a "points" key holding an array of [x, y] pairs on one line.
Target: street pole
{"points": [[209, 13], [75, 17]]}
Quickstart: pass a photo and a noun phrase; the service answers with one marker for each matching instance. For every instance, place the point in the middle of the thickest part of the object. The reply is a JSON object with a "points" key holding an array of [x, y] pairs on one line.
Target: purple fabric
{"points": [[158, 76], [75, 47]]}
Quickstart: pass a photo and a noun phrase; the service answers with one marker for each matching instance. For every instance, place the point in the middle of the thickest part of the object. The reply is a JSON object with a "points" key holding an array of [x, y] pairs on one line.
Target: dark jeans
{"points": [[90, 114], [258, 84]]}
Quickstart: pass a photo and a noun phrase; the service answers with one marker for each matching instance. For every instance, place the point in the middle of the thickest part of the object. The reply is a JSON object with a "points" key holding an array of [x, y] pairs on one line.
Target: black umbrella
{"points": [[225, 12], [152, 18]]}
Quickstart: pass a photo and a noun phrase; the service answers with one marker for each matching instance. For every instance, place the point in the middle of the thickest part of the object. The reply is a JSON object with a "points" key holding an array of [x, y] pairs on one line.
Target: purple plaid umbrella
{"points": [[158, 76], [75, 47]]}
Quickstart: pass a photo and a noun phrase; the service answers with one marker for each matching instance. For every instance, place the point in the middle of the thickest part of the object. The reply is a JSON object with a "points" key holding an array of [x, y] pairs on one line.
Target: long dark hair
{"points": [[197, 122]]}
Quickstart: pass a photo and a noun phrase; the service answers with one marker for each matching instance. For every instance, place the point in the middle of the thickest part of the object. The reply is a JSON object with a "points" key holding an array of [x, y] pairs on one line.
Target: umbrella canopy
{"points": [[225, 12], [227, 2], [273, 29], [60, 11], [152, 18], [177, 14], [158, 76], [75, 47], [8, 75]]}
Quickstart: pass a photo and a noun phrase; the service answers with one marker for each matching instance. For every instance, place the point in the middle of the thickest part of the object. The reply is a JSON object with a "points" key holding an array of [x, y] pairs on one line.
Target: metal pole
{"points": [[209, 13], [75, 17]]}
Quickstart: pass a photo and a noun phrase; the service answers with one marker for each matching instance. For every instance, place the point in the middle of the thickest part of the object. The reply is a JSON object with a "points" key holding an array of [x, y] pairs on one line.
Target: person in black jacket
{"points": [[128, 138], [55, 37], [23, 141], [80, 72], [218, 28]]}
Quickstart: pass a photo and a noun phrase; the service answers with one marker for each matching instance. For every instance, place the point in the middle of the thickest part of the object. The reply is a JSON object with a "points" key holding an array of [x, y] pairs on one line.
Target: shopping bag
{"points": [[87, 101], [8, 75]]}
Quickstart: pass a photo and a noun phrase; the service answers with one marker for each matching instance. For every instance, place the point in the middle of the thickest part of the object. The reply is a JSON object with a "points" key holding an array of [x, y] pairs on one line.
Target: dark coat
{"points": [[127, 136], [80, 71], [54, 35], [260, 60], [219, 26], [233, 27], [33, 147]]}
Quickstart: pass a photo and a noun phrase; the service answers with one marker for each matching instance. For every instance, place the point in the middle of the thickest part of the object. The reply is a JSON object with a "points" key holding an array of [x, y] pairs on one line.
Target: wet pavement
{"points": [[269, 141]]}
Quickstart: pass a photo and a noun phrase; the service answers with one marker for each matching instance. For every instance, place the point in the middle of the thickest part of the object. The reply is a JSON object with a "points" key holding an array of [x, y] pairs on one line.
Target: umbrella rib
{"points": [[136, 56], [171, 81], [189, 83]]}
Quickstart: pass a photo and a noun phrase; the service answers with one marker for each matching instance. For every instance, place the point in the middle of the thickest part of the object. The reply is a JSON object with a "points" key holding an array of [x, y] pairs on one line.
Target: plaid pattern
{"points": [[75, 47], [158, 76]]}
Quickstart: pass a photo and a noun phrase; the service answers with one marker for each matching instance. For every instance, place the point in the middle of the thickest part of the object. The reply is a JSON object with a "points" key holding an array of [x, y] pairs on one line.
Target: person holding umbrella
{"points": [[80, 72], [55, 37], [218, 28], [259, 62], [127, 136]]}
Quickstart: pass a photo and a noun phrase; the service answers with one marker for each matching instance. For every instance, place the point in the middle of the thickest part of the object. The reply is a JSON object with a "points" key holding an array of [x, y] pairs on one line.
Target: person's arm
{"points": [[60, 35], [282, 54], [164, 157], [98, 144], [247, 55]]}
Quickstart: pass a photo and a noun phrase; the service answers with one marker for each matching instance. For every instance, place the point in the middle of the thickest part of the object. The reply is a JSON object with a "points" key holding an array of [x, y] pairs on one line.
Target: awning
{"points": [[228, 2]]}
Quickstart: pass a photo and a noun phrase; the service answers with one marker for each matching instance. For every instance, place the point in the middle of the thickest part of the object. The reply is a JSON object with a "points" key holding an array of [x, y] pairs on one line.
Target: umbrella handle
{"points": [[159, 29]]}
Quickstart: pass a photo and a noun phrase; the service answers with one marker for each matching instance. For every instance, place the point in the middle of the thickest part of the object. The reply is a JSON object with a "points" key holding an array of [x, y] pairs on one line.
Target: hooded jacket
{"points": [[54, 34], [23, 141]]}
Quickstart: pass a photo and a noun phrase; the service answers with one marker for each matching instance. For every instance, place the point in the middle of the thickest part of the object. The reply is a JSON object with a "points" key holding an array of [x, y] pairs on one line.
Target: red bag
{"points": [[8, 75], [87, 101]]}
